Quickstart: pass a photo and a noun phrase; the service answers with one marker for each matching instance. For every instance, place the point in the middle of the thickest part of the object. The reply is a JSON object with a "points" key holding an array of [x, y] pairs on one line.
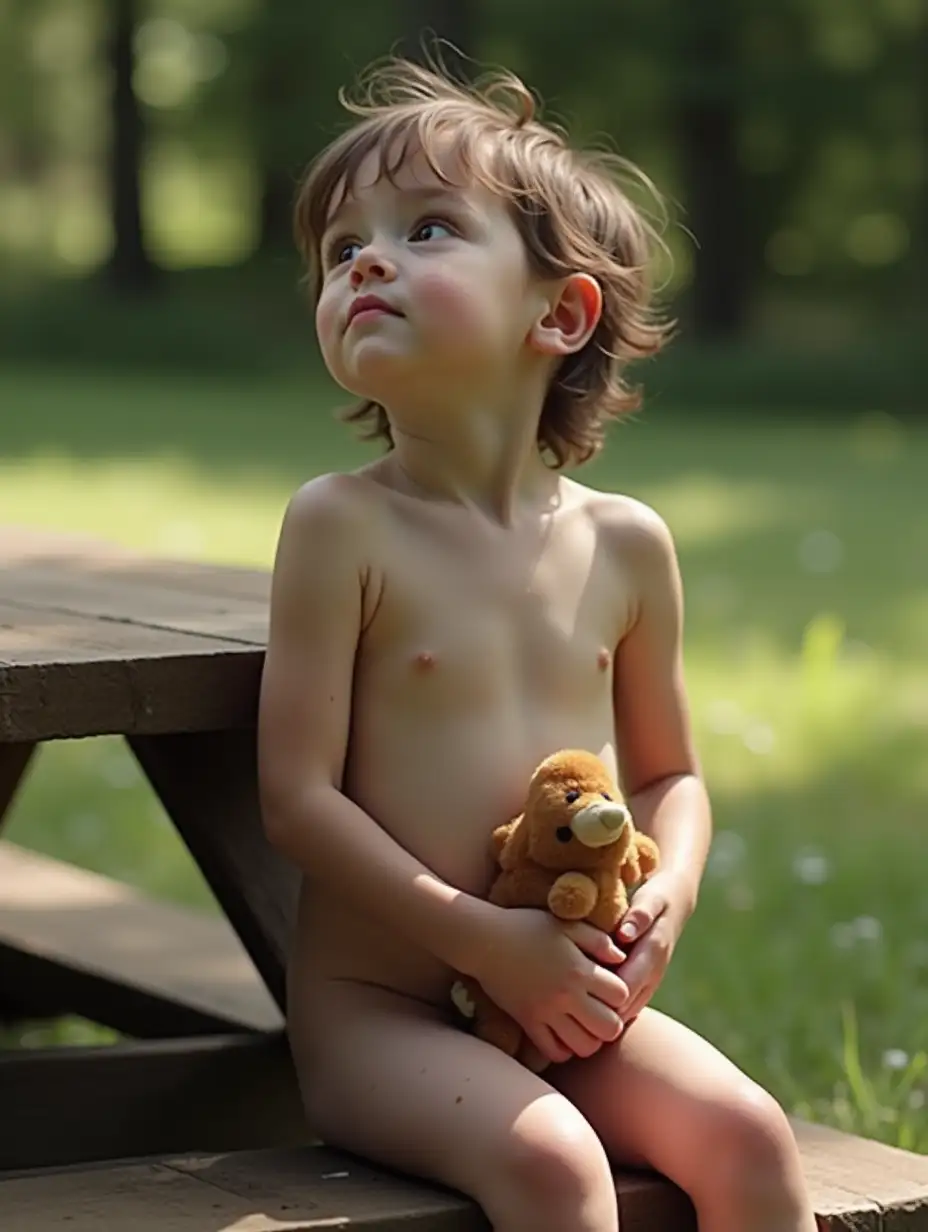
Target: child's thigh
{"points": [[664, 1097], [391, 1079]]}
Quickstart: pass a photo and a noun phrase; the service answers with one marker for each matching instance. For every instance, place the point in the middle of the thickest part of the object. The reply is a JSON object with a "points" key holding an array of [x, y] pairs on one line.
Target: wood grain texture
{"points": [[96, 640], [72, 941], [312, 1188], [81, 1105], [15, 760], [208, 784]]}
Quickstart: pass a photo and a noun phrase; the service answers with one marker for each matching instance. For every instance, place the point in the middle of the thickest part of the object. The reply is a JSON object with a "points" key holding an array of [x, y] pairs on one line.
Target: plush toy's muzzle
{"points": [[598, 824]]}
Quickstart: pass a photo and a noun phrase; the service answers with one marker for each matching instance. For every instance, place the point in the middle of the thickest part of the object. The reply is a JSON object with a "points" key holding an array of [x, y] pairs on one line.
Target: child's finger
{"points": [[637, 974], [595, 943], [548, 1044], [641, 915]]}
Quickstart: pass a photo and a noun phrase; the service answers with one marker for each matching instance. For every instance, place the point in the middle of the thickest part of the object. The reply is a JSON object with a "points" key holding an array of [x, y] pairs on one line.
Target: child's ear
{"points": [[572, 314]]}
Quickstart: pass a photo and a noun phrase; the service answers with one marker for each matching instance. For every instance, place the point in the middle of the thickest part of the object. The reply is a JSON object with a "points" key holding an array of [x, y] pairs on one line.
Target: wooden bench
{"points": [[857, 1186], [77, 942], [94, 640]]}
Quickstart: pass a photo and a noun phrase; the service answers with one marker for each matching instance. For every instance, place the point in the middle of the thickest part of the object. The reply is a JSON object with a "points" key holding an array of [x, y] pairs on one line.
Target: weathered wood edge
{"points": [[216, 688], [75, 941]]}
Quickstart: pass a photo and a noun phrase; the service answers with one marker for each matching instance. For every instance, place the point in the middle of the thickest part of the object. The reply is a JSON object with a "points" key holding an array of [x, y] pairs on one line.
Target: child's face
{"points": [[450, 269]]}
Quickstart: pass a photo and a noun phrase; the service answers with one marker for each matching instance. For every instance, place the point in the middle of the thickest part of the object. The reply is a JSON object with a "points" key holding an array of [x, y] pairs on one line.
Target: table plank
{"points": [[171, 683], [145, 962], [91, 1104], [313, 1187], [95, 639]]}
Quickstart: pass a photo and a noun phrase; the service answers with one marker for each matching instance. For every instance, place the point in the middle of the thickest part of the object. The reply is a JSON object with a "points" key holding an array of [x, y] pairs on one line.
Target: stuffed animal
{"points": [[575, 852]]}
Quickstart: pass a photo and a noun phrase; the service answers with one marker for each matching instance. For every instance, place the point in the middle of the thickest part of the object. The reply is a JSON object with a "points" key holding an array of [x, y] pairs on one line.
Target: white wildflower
{"points": [[868, 928], [726, 853], [812, 867], [724, 716], [759, 738], [895, 1058]]}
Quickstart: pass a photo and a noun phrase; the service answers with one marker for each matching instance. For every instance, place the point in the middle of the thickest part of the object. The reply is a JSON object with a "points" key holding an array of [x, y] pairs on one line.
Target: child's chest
{"points": [[465, 618]]}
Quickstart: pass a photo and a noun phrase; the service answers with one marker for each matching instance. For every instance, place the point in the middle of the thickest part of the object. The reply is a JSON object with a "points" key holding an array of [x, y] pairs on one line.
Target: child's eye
{"points": [[431, 229], [341, 251]]}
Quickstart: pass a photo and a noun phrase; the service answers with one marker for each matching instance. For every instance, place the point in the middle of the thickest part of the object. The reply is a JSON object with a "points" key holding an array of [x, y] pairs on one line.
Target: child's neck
{"points": [[501, 474]]}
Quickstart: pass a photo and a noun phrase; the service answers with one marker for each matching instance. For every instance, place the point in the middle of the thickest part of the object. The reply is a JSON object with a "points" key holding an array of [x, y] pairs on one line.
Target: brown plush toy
{"points": [[574, 851]]}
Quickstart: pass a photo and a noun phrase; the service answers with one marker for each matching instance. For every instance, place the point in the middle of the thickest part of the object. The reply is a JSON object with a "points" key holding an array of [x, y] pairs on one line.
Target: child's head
{"points": [[496, 244]]}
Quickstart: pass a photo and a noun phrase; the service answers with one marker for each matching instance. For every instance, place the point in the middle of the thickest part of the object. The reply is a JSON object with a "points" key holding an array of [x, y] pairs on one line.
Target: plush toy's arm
{"points": [[641, 861], [611, 903], [512, 851], [527, 886], [500, 837], [648, 854]]}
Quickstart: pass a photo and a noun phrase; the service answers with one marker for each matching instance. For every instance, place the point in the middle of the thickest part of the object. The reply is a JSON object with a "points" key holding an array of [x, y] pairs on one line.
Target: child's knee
{"points": [[749, 1148], [553, 1171], [752, 1126]]}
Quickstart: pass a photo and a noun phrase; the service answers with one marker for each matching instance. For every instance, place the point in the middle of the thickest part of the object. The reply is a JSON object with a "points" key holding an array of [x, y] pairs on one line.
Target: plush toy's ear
{"points": [[514, 850]]}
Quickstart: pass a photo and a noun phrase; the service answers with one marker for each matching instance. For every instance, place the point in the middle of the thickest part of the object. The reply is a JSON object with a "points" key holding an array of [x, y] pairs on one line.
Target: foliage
{"points": [[824, 101]]}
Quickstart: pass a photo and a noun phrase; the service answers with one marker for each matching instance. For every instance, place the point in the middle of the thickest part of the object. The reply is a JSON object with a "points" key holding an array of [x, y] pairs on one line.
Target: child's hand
{"points": [[651, 927], [552, 979]]}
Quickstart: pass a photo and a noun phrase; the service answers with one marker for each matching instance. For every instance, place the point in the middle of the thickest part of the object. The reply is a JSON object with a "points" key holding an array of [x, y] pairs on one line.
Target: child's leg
{"points": [[663, 1097], [389, 1079]]}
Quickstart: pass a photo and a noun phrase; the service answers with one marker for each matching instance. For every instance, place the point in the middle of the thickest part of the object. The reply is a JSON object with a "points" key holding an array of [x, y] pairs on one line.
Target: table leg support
{"points": [[207, 782], [14, 761]]}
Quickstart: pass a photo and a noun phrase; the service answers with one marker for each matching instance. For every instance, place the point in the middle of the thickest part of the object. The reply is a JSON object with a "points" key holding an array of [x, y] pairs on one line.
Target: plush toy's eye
{"points": [[606, 796], [564, 834], [572, 796]]}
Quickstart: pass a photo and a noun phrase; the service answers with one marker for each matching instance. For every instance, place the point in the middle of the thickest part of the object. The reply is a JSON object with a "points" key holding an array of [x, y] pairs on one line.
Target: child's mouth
{"points": [[366, 307]]}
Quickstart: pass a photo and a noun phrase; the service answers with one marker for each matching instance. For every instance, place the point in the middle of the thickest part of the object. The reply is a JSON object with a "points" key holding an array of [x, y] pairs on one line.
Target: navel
{"points": [[603, 659]]}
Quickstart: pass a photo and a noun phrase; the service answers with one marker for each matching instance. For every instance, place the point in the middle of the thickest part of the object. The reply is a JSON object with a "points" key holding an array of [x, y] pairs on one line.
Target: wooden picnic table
{"points": [[96, 640]]}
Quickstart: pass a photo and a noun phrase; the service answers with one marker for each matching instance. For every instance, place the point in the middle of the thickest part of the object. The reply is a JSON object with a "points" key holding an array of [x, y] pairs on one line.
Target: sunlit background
{"points": [[159, 385]]}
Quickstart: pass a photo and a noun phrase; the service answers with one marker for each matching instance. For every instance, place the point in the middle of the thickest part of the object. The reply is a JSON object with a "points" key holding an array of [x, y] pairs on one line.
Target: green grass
{"points": [[803, 546]]}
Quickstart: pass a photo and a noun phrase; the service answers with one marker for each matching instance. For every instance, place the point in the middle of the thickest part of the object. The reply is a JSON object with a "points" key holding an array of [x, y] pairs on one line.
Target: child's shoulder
{"points": [[334, 502], [329, 524], [625, 523]]}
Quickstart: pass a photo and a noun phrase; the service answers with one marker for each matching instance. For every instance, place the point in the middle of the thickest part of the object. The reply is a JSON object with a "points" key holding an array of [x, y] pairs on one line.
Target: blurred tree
{"points": [[299, 56], [130, 268], [707, 74], [453, 22]]}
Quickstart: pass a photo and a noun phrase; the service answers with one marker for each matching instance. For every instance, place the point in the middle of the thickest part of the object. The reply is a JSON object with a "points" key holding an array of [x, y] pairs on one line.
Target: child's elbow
{"points": [[286, 816]]}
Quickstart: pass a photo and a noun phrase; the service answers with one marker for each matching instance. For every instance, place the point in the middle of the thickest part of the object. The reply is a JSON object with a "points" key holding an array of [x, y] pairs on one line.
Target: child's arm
{"points": [[318, 608], [659, 768]]}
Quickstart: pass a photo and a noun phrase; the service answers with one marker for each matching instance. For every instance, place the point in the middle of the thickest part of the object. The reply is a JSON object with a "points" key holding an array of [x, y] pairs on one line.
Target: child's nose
{"points": [[371, 264]]}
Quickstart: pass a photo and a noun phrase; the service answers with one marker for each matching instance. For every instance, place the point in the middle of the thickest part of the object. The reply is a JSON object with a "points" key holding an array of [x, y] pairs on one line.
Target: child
{"points": [[442, 619]]}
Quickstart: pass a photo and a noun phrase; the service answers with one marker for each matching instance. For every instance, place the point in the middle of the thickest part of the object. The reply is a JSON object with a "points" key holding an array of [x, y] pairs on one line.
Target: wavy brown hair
{"points": [[571, 208]]}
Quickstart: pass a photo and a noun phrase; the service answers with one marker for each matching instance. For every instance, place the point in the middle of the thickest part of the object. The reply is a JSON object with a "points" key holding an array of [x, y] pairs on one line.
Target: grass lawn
{"points": [[804, 548]]}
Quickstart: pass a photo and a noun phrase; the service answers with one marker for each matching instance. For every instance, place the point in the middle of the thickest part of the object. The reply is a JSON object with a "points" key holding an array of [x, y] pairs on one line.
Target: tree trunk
{"points": [[130, 268], [713, 182]]}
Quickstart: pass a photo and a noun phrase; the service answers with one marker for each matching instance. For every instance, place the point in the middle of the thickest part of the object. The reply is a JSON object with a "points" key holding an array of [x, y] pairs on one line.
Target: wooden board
{"points": [[208, 784], [96, 640], [79, 1105], [855, 1185], [74, 941], [14, 762]]}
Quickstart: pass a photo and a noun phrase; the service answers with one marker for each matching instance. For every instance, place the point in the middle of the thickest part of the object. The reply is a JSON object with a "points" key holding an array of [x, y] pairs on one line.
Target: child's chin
{"points": [[385, 381]]}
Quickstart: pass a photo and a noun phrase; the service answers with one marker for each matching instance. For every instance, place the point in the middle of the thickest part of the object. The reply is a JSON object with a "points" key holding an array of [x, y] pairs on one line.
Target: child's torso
{"points": [[483, 651]]}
